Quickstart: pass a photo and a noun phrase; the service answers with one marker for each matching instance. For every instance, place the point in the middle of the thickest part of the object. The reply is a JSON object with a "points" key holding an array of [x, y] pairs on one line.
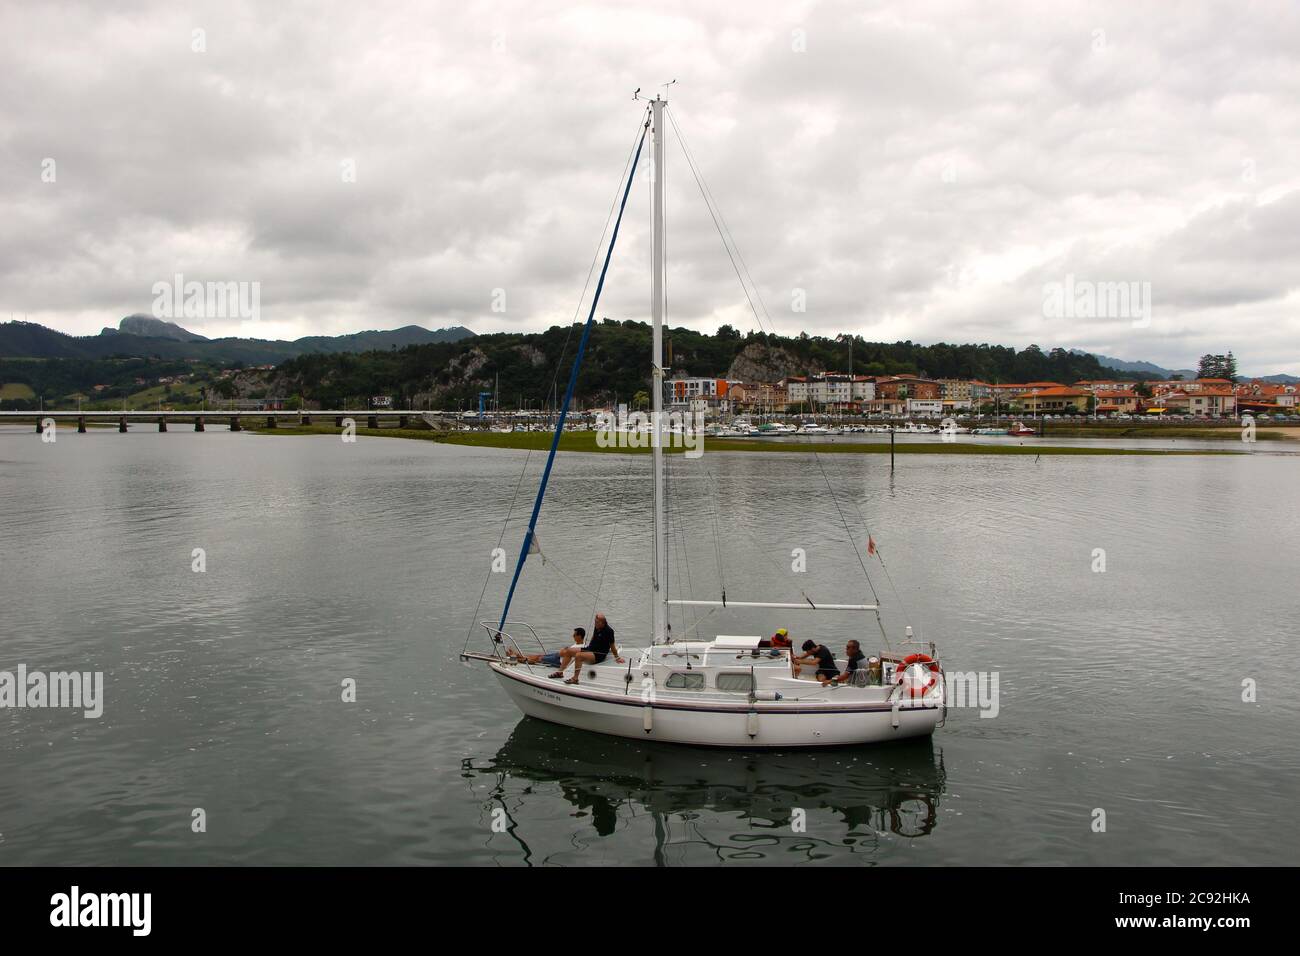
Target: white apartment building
{"points": [[830, 388]]}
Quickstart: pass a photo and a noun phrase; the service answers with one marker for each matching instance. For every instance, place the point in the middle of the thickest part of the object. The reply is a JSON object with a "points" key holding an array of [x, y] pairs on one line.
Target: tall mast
{"points": [[660, 576]]}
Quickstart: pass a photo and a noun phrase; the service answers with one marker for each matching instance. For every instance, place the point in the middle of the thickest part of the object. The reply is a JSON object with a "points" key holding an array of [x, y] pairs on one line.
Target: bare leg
{"points": [[566, 653], [580, 658]]}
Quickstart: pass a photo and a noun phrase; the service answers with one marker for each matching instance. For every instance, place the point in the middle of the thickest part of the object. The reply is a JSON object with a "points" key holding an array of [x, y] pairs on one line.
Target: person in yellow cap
{"points": [[781, 638]]}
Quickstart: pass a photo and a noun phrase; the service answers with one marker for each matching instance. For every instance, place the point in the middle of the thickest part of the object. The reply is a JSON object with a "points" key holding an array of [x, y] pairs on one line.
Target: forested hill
{"points": [[140, 336], [527, 366]]}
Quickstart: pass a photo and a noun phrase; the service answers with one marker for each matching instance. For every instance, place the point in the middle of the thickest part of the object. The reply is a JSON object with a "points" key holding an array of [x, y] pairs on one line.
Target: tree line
{"points": [[533, 368]]}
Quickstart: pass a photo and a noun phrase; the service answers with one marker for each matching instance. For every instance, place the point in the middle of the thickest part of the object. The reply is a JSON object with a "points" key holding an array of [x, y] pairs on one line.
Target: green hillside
{"points": [[529, 366]]}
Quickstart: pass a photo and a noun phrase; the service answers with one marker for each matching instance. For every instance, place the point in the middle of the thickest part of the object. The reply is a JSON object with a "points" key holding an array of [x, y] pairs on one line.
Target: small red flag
{"points": [[871, 545]]}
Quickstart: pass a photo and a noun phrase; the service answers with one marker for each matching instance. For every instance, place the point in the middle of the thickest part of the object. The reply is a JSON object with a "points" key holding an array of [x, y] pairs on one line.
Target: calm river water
{"points": [[1119, 690]]}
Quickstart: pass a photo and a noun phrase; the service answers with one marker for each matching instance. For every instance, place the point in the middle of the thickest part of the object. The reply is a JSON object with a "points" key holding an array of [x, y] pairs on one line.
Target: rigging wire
{"points": [[627, 486], [577, 311], [636, 140], [717, 541], [907, 614], [683, 544], [620, 204], [724, 231], [500, 540], [554, 565], [762, 548], [852, 543], [573, 381]]}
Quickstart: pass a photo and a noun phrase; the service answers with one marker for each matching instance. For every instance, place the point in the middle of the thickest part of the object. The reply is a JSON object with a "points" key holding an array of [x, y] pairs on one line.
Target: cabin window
{"points": [[685, 681], [741, 681]]}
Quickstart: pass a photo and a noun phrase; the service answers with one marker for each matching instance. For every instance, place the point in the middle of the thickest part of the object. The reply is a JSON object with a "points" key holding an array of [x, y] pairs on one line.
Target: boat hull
{"points": [[762, 725]]}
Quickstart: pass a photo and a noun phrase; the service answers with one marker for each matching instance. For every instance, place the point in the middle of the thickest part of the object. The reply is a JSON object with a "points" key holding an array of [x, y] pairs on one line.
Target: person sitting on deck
{"points": [[827, 671], [552, 659], [853, 651], [595, 651]]}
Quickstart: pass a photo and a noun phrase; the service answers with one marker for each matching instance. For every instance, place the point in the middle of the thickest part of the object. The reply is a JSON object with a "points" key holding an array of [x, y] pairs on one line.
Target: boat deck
{"points": [[704, 672]]}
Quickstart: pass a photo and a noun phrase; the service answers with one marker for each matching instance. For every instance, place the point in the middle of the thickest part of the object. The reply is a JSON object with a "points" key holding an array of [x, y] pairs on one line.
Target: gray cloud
{"points": [[921, 169]]}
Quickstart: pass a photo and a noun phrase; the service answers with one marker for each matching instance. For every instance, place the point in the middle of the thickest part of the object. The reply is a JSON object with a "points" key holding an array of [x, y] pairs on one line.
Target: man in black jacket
{"points": [[595, 651]]}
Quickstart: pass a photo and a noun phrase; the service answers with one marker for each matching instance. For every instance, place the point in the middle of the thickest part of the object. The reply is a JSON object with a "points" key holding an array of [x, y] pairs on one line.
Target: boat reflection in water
{"points": [[740, 803]]}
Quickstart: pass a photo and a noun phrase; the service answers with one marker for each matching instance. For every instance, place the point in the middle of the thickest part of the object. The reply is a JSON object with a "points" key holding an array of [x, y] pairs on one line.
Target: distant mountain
{"points": [[1280, 379], [369, 341], [1149, 368], [1144, 368], [145, 336], [149, 327]]}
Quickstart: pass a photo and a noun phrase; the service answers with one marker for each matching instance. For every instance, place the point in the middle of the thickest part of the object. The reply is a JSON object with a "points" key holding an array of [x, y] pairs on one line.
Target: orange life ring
{"points": [[918, 690]]}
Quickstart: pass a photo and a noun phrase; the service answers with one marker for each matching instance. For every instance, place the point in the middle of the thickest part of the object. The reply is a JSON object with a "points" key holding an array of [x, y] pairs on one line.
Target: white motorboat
{"points": [[735, 690]]}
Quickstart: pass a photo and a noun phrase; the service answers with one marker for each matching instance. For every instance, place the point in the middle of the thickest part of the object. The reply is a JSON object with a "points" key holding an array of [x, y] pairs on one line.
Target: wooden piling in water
{"points": [[306, 419], [338, 421], [121, 424], [198, 423], [162, 424], [270, 421], [373, 422], [81, 424], [234, 424], [891, 449], [39, 429], [401, 421]]}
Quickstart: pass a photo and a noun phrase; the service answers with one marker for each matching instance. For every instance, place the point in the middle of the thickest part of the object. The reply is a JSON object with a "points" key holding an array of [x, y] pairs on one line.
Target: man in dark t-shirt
{"points": [[853, 651], [820, 654], [596, 650]]}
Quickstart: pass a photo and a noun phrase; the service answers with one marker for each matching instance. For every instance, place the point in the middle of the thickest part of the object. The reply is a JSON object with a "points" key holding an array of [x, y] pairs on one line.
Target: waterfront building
{"points": [[1054, 400]]}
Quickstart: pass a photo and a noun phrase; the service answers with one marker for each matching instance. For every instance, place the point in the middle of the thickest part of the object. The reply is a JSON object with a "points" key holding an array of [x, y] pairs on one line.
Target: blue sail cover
{"points": [[568, 393]]}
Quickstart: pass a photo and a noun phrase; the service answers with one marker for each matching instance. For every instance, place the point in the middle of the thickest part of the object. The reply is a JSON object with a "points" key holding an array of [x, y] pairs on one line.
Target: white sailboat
{"points": [[733, 690]]}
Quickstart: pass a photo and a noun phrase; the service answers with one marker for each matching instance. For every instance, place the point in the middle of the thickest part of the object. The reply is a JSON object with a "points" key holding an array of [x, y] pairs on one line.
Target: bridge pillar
{"points": [[234, 424], [81, 424], [373, 422], [270, 421], [401, 421], [121, 424], [162, 424], [198, 423]]}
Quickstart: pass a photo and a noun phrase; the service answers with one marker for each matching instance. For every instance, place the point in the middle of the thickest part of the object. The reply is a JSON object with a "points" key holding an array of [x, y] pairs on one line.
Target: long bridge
{"points": [[373, 418]]}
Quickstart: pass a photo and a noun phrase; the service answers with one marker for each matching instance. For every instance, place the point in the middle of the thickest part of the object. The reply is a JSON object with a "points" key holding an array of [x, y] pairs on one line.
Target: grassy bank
{"points": [[1219, 433], [586, 442]]}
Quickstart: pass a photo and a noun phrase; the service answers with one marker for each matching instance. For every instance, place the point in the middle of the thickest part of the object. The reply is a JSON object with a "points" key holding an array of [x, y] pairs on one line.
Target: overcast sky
{"points": [[920, 170]]}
